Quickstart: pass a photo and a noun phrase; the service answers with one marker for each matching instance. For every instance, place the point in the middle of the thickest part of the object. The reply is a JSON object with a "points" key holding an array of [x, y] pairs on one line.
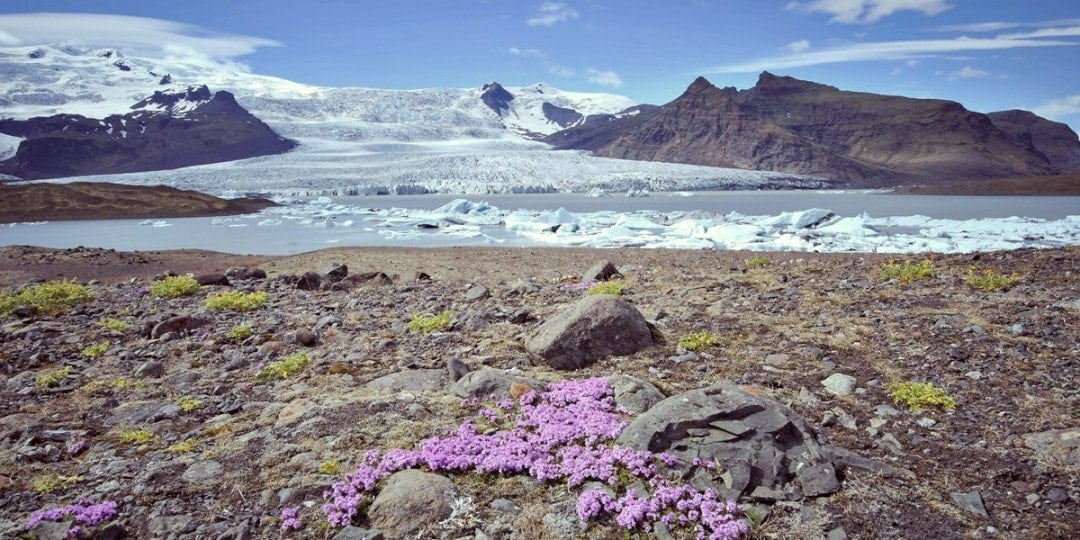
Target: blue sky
{"points": [[987, 54]]}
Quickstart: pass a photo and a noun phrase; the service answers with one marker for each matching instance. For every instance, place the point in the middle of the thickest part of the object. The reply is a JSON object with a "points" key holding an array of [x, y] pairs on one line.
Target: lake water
{"points": [[369, 222]]}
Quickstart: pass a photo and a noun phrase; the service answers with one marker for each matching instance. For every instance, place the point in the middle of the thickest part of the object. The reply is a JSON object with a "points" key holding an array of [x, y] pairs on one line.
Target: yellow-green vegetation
{"points": [[283, 369], [52, 378], [125, 384], [613, 287], [758, 261], [430, 323], [114, 325], [239, 333], [237, 301], [48, 483], [183, 447], [189, 403], [138, 436], [95, 350], [50, 298], [699, 341], [916, 395], [330, 467], [991, 280], [907, 271], [174, 287]]}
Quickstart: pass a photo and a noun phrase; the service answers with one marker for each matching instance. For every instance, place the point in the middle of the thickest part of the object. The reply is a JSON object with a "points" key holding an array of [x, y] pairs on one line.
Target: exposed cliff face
{"points": [[1054, 140], [165, 131], [787, 125]]}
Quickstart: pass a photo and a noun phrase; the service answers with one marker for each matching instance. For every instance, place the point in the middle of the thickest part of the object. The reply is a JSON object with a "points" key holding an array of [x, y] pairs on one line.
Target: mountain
{"points": [[357, 140], [167, 130], [788, 125]]}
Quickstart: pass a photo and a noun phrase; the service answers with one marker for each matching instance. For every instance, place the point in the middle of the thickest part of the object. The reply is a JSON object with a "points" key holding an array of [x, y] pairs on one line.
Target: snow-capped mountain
{"points": [[445, 139]]}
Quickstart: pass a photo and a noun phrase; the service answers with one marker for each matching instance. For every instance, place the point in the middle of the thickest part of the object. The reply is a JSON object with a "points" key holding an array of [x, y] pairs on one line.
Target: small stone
{"points": [[150, 368], [475, 294], [778, 359], [808, 398], [411, 501], [1056, 494], [202, 471], [503, 505], [818, 480], [356, 533], [601, 271], [885, 410], [837, 534], [456, 369], [971, 501], [306, 337], [926, 422], [973, 375], [839, 384], [1032, 498]]}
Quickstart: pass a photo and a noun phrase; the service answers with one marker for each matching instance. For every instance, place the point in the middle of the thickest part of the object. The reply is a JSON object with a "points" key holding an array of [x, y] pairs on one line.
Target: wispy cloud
{"points": [[561, 71], [528, 53], [968, 72], [868, 11], [1055, 109], [552, 13], [603, 78], [798, 46], [997, 26], [885, 50], [135, 35], [1071, 31]]}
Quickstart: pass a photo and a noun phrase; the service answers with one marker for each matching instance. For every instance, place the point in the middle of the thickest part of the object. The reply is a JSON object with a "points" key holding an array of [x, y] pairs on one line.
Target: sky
{"points": [[988, 55]]}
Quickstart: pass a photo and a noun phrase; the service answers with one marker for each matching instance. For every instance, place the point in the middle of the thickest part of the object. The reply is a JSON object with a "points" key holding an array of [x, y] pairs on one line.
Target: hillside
{"points": [[788, 125], [88, 200]]}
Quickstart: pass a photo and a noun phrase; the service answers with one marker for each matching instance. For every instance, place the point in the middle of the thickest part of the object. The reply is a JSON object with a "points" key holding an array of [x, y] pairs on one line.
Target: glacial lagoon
{"points": [[833, 221]]}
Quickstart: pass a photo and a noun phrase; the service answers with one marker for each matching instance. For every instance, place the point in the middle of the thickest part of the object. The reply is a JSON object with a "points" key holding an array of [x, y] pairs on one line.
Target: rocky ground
{"points": [[1002, 463]]}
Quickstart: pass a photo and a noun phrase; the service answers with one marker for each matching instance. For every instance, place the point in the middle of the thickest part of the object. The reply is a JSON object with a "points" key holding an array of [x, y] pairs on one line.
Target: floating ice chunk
{"points": [[161, 223], [269, 223], [637, 223], [465, 206], [802, 219], [683, 194], [852, 226], [524, 221]]}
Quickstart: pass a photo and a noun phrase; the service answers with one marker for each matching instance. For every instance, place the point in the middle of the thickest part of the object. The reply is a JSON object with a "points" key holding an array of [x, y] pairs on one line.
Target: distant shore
{"points": [[1062, 184], [101, 200]]}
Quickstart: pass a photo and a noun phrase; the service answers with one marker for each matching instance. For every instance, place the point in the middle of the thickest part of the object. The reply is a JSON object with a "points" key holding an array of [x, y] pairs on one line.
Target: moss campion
{"points": [[430, 323], [50, 298], [916, 395], [236, 301]]}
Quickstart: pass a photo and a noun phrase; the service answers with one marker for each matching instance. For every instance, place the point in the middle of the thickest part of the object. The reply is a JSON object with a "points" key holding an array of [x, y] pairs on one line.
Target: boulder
{"points": [[245, 272], [756, 441], [634, 394], [595, 327], [410, 502], [487, 382], [601, 271], [212, 279], [309, 281], [333, 272], [409, 380]]}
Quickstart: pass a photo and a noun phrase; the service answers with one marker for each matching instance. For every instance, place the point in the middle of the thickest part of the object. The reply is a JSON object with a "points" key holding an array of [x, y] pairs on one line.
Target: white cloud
{"points": [[868, 11], [528, 53], [135, 35], [1055, 109], [968, 72], [604, 78], [552, 13], [798, 46], [1070, 31], [997, 26], [561, 71], [885, 50]]}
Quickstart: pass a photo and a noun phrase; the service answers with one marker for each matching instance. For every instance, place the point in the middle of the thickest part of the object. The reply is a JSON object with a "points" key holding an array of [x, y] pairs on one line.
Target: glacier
{"points": [[357, 140]]}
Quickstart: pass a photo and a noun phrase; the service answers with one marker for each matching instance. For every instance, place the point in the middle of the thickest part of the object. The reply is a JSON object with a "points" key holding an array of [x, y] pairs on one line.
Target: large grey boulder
{"points": [[595, 327], [411, 501], [487, 382], [757, 442]]}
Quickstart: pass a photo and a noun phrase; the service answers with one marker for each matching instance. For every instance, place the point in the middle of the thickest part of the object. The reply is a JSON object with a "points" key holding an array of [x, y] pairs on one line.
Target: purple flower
{"points": [[290, 519], [85, 513]]}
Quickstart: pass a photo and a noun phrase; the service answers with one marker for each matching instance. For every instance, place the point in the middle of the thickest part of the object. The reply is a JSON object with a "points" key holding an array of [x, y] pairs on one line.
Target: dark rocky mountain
{"points": [[788, 125], [165, 131], [496, 98], [560, 115]]}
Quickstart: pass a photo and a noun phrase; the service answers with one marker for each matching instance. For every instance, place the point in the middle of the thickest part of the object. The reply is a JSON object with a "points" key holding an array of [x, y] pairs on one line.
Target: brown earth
{"points": [[788, 320], [1062, 184], [101, 200]]}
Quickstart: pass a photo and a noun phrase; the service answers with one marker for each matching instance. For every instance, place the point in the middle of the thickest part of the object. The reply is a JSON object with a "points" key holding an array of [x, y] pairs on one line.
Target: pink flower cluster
{"points": [[290, 518], [564, 433], [84, 513], [580, 285]]}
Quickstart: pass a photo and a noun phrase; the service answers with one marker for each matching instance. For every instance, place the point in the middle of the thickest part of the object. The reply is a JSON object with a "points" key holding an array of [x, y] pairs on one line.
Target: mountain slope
{"points": [[165, 131], [787, 125]]}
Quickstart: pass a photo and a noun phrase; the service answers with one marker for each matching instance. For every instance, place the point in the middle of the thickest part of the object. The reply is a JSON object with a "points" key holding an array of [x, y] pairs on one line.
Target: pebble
{"points": [[839, 384]]}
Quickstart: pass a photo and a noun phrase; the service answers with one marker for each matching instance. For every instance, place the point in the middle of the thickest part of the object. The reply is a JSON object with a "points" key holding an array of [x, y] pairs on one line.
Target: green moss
{"points": [[699, 341], [95, 350], [174, 287], [430, 323], [908, 272], [283, 369], [613, 287], [237, 301], [114, 325], [50, 298], [330, 467], [239, 333], [187, 445], [48, 483], [138, 436], [991, 280], [758, 261], [52, 378], [916, 395], [189, 403]]}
